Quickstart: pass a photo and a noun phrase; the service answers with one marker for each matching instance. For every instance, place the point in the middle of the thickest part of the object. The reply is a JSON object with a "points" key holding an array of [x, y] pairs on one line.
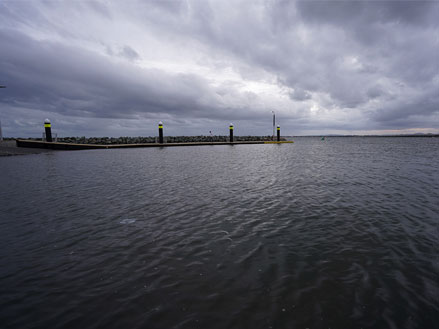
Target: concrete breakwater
{"points": [[9, 147], [73, 146], [167, 139], [83, 143]]}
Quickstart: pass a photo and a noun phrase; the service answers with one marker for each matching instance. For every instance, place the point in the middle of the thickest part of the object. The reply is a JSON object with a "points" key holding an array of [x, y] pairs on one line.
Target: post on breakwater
{"points": [[231, 132], [160, 132], [48, 128], [278, 133]]}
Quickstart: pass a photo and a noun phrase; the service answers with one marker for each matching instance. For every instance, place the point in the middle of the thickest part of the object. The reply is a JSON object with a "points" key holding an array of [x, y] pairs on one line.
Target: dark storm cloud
{"points": [[393, 40], [352, 13], [67, 80], [403, 109], [390, 40]]}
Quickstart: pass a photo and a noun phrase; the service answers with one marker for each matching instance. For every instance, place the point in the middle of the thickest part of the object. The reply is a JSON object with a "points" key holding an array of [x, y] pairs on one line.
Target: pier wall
{"points": [[75, 146]]}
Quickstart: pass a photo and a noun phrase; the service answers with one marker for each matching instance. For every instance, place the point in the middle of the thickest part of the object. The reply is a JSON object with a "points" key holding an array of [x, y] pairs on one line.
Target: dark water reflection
{"points": [[339, 233]]}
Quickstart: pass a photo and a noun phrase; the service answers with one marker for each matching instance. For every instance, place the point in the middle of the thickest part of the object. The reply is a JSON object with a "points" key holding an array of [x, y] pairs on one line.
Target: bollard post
{"points": [[231, 132], [160, 132], [48, 128], [278, 133]]}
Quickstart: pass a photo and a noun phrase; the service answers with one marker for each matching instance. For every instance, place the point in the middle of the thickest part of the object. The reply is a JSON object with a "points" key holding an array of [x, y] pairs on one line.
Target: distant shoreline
{"points": [[411, 135]]}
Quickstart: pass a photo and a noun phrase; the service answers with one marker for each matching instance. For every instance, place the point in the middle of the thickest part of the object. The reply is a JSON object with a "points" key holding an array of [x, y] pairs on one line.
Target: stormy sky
{"points": [[117, 68]]}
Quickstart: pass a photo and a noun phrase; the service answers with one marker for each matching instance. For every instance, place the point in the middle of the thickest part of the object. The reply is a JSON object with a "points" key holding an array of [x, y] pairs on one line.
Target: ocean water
{"points": [[341, 233]]}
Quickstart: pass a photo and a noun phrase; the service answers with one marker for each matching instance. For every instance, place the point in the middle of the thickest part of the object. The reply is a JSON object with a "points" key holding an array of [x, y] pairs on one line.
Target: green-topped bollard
{"points": [[48, 128], [160, 132], [278, 133], [231, 132]]}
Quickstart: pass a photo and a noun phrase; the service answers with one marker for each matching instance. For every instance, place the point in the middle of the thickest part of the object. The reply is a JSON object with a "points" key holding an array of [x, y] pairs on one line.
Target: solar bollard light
{"points": [[48, 128], [231, 132], [160, 132], [278, 133]]}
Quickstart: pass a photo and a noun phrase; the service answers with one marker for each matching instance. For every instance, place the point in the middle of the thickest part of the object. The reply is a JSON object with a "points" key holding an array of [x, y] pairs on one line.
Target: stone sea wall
{"points": [[167, 139]]}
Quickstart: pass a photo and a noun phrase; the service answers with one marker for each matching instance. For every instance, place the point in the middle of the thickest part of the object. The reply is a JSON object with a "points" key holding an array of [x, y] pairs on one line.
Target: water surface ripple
{"points": [[341, 233]]}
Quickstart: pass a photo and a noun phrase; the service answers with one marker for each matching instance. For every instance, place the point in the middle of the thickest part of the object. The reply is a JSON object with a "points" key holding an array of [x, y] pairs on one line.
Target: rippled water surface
{"points": [[341, 233]]}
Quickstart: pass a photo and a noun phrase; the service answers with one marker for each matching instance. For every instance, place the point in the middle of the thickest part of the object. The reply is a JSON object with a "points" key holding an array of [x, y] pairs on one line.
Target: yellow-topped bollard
{"points": [[48, 129], [278, 133], [231, 132], [161, 132]]}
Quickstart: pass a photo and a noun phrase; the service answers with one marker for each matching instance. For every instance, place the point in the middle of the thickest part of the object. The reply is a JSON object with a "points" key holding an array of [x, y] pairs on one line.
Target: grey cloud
{"points": [[61, 79], [391, 54], [76, 82], [341, 55], [300, 95], [255, 39], [350, 12], [129, 53], [31, 16], [402, 111], [125, 52], [374, 92], [99, 7]]}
